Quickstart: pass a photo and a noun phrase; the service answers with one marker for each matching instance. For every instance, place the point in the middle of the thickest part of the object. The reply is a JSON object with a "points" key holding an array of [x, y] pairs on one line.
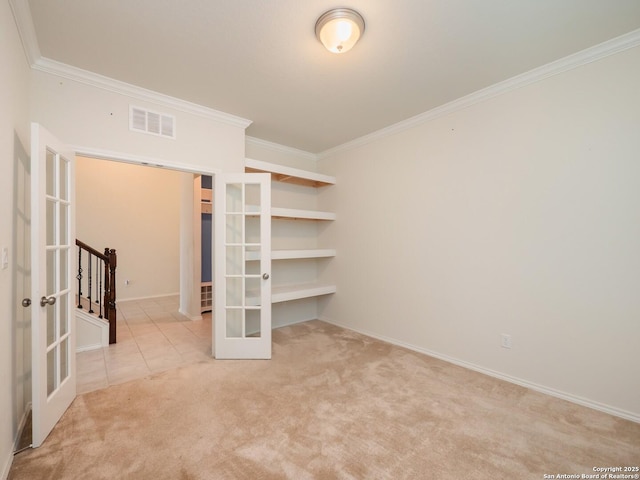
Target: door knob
{"points": [[265, 276], [26, 302], [44, 301]]}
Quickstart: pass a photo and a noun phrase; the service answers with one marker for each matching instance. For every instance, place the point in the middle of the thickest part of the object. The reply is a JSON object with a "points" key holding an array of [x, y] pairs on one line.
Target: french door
{"points": [[52, 315], [242, 265]]}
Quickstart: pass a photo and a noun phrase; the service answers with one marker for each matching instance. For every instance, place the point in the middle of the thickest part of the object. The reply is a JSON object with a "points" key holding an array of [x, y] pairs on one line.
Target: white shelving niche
{"points": [[294, 257]]}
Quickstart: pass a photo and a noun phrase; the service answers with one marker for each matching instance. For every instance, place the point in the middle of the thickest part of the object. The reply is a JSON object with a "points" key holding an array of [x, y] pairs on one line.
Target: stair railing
{"points": [[98, 279]]}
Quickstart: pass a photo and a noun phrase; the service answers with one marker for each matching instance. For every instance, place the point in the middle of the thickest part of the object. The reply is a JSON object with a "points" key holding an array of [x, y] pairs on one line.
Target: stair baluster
{"points": [[79, 277], [89, 279], [99, 286], [105, 282]]}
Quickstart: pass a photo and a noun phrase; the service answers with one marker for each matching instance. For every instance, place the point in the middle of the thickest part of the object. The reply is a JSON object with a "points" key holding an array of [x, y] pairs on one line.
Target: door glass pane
{"points": [[63, 300], [252, 230], [51, 170], [252, 195], [64, 269], [252, 291], [51, 313], [64, 359], [234, 229], [51, 272], [234, 261], [234, 197], [51, 370], [252, 267], [51, 222], [252, 323], [234, 323], [234, 292], [64, 224], [64, 180]]}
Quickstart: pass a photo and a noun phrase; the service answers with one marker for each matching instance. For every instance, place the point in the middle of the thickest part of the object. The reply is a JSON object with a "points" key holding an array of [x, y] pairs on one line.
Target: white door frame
{"points": [[143, 161]]}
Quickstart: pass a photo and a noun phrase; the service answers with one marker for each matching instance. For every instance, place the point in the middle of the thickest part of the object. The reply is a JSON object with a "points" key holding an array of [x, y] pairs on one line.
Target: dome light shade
{"points": [[339, 29]]}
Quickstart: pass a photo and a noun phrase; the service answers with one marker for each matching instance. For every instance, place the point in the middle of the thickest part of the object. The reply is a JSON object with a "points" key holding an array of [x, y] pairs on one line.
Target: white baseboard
{"points": [[585, 402], [150, 297], [293, 322], [23, 422], [87, 348], [9, 460], [190, 317], [7, 466]]}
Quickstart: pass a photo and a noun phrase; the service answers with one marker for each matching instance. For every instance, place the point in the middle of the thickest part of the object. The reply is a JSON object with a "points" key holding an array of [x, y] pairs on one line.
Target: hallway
{"points": [[152, 337]]}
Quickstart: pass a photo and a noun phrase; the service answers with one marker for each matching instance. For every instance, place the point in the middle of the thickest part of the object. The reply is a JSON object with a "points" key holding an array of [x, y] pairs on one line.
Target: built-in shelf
{"points": [[206, 198], [293, 292], [296, 214], [292, 213], [294, 254], [296, 292], [206, 297], [282, 173]]}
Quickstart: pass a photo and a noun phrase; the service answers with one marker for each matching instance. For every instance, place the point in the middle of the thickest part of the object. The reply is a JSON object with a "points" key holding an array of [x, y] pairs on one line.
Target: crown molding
{"points": [[592, 54], [53, 67], [276, 147], [26, 29]]}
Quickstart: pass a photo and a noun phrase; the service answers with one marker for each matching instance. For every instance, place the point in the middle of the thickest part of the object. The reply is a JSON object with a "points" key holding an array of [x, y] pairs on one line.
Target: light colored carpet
{"points": [[330, 404]]}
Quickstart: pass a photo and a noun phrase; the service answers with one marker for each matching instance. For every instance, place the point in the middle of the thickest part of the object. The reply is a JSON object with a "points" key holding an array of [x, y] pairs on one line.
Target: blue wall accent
{"points": [[206, 181], [206, 246]]}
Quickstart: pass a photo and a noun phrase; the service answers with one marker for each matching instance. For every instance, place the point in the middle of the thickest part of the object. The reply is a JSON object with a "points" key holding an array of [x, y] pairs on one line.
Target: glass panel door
{"points": [[58, 248], [243, 262], [53, 325]]}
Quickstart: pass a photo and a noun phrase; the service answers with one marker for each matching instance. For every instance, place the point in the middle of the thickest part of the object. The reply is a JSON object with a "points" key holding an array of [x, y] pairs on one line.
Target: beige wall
{"points": [[135, 210], [14, 321], [518, 215]]}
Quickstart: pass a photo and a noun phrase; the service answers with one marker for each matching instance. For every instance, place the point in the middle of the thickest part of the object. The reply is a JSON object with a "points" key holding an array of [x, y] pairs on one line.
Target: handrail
{"points": [[92, 250], [105, 297]]}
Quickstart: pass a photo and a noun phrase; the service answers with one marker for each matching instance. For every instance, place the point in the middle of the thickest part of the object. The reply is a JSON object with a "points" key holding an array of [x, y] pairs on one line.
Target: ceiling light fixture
{"points": [[339, 29]]}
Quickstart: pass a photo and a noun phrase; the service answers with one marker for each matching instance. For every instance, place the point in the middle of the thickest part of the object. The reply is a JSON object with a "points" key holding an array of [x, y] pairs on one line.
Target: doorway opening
{"points": [[151, 215]]}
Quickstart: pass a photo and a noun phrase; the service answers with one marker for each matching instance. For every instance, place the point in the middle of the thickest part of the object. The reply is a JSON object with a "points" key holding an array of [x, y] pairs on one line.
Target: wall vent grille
{"points": [[153, 123]]}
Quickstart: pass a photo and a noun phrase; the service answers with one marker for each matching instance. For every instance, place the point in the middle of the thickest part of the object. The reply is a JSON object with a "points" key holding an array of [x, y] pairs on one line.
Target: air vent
{"points": [[154, 123]]}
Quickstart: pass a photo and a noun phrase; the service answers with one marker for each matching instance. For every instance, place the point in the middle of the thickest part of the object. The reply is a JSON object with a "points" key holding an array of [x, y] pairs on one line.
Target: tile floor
{"points": [[151, 337]]}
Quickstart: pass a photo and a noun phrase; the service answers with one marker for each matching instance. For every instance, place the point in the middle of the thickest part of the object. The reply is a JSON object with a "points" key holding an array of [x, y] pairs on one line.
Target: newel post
{"points": [[110, 296]]}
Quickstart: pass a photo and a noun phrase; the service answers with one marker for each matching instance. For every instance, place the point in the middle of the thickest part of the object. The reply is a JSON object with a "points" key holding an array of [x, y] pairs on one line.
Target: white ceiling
{"points": [[259, 59]]}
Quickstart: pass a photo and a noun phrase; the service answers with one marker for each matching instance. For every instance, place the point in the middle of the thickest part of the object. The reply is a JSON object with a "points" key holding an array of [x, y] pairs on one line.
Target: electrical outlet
{"points": [[505, 341]]}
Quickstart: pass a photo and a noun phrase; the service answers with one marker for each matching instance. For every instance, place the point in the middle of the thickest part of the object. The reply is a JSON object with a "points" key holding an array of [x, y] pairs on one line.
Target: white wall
{"points": [[279, 154], [84, 115], [190, 246], [14, 145], [518, 215], [135, 210]]}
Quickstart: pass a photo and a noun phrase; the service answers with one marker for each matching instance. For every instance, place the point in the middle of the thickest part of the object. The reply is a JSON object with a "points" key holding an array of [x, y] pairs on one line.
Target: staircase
{"points": [[96, 316]]}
